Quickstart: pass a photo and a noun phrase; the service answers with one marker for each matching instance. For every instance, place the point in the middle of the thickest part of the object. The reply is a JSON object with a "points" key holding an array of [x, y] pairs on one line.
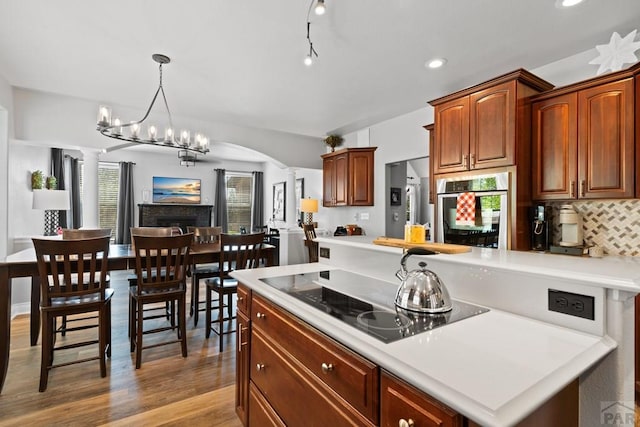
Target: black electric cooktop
{"points": [[365, 303]]}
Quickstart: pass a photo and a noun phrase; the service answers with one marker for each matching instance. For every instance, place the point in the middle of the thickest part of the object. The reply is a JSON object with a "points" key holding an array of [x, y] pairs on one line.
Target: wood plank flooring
{"points": [[168, 389]]}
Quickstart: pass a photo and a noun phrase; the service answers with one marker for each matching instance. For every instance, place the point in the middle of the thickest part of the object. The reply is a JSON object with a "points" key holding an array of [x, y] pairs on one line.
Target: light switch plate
{"points": [[364, 216]]}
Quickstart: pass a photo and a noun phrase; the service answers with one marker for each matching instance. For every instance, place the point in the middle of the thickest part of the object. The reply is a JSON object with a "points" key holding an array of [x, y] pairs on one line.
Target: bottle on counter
{"points": [[414, 233]]}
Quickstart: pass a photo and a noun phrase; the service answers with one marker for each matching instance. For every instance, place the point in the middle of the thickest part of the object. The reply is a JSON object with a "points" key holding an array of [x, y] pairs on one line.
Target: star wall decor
{"points": [[618, 52]]}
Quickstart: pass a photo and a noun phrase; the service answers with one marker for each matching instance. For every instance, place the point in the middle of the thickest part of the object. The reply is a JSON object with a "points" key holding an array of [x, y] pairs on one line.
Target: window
{"points": [[239, 201], [108, 185]]}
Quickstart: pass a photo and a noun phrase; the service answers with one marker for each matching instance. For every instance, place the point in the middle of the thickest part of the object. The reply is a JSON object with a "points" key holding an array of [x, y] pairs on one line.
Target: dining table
{"points": [[24, 264]]}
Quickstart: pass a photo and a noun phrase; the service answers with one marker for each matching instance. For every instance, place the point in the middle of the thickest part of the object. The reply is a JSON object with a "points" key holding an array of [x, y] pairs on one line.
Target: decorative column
{"points": [[90, 189], [290, 209]]}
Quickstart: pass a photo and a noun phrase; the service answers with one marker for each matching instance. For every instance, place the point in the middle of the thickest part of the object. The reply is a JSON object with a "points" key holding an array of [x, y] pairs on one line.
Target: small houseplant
{"points": [[333, 141], [37, 180], [52, 183]]}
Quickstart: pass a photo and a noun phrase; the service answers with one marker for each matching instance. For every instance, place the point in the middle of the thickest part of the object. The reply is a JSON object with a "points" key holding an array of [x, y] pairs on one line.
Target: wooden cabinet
{"points": [[484, 126], [295, 366], [432, 182], [243, 336], [583, 142], [403, 405], [347, 177]]}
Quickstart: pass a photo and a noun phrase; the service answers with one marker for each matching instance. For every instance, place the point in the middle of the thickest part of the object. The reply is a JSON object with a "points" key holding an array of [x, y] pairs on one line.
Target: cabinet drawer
{"points": [[260, 412], [400, 401], [351, 376], [296, 395], [244, 299]]}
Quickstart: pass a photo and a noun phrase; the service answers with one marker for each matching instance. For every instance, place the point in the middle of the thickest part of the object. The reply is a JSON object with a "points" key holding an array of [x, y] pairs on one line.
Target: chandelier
{"points": [[133, 132], [187, 158]]}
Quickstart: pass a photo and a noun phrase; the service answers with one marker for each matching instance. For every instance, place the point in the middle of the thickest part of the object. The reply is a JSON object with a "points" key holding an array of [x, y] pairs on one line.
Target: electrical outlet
{"points": [[571, 304], [364, 216], [324, 253]]}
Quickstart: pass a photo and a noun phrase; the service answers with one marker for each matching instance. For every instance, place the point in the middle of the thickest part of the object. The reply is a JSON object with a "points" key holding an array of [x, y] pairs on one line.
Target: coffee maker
{"points": [[571, 223], [539, 228]]}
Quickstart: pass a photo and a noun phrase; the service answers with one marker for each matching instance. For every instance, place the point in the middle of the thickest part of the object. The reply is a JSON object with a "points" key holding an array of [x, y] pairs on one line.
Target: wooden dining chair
{"points": [[161, 266], [202, 236], [73, 277], [75, 234], [309, 241], [152, 311], [237, 252]]}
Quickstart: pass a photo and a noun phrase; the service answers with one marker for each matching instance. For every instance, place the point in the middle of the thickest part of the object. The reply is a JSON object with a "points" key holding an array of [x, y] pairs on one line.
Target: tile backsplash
{"points": [[612, 224]]}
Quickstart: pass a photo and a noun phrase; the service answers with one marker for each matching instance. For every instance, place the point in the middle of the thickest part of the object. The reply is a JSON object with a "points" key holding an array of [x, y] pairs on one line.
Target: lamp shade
{"points": [[309, 205], [53, 200]]}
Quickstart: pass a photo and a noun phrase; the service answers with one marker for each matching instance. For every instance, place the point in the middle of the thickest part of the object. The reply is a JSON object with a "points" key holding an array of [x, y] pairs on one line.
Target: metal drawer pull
{"points": [[582, 185], [327, 367], [259, 366], [239, 337], [260, 315], [405, 423]]}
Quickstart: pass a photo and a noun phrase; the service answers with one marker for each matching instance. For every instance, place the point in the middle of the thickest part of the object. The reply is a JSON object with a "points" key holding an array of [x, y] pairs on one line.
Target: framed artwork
{"points": [[299, 195], [279, 201], [395, 196]]}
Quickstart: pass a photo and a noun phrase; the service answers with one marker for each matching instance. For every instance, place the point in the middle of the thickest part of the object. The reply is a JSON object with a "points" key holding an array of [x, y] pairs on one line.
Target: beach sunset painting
{"points": [[176, 190]]}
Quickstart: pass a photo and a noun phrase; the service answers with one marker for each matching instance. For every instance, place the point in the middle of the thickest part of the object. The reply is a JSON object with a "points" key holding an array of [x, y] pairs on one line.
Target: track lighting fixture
{"points": [[319, 9]]}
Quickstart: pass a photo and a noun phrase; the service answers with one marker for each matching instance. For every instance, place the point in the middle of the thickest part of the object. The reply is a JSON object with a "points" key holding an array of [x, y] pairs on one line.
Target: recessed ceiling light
{"points": [[567, 3], [436, 63]]}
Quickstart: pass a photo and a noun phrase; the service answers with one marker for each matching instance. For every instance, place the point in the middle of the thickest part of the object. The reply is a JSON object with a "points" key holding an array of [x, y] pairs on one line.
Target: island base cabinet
{"points": [[293, 392], [402, 405], [261, 413]]}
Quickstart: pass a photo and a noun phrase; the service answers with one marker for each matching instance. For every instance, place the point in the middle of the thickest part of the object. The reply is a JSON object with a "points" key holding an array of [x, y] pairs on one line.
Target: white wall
{"points": [[6, 131]]}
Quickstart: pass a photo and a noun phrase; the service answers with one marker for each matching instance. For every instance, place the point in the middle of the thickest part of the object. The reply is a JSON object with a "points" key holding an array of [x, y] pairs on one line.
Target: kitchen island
{"points": [[500, 366]]}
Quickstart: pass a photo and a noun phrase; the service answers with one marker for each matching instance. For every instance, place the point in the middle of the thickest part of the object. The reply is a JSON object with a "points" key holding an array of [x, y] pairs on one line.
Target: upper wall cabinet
{"points": [[347, 177], [583, 141], [479, 127]]}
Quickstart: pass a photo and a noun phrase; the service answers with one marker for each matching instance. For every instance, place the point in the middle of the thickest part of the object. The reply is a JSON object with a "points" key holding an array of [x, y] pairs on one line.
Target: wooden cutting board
{"points": [[445, 248]]}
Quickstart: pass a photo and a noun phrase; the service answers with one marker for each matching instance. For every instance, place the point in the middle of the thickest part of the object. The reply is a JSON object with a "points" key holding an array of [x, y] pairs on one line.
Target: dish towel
{"points": [[466, 209]]}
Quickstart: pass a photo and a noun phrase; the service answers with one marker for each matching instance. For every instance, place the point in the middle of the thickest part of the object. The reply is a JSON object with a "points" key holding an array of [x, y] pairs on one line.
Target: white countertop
{"points": [[613, 272], [494, 368]]}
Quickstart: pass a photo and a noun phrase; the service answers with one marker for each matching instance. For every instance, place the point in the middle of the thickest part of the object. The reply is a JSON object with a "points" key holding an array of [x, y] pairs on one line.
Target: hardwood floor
{"points": [[167, 390]]}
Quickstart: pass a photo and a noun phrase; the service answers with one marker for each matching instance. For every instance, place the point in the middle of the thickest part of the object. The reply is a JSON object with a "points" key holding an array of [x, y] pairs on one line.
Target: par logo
{"points": [[618, 413]]}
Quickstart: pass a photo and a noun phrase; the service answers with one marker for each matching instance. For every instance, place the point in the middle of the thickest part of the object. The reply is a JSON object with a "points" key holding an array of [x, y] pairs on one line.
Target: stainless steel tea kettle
{"points": [[421, 290]]}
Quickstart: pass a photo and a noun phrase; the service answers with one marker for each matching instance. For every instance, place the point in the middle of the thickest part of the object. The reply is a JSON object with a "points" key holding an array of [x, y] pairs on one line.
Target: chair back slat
{"points": [[72, 268], [161, 262], [240, 251]]}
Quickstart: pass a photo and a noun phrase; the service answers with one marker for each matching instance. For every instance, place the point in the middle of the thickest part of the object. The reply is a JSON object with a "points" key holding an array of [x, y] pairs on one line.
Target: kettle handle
{"points": [[402, 273]]}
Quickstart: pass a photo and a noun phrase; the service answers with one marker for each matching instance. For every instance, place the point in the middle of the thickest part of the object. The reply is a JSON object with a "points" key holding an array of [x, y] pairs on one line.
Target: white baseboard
{"points": [[20, 308]]}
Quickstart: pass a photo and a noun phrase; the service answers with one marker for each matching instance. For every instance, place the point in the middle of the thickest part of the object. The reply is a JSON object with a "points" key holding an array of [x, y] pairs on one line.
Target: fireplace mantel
{"points": [[174, 215]]}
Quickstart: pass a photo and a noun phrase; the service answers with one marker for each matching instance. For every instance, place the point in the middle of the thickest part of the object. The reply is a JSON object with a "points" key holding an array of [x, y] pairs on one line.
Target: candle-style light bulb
{"points": [[117, 127], [168, 136], [152, 132], [104, 116], [308, 60], [185, 136], [135, 131]]}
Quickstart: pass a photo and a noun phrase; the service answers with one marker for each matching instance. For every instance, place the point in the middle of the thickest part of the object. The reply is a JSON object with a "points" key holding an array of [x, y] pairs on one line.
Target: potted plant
{"points": [[333, 141], [37, 180], [52, 183]]}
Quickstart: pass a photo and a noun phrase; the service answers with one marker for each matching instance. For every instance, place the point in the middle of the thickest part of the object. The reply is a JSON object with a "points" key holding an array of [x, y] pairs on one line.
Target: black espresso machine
{"points": [[540, 224]]}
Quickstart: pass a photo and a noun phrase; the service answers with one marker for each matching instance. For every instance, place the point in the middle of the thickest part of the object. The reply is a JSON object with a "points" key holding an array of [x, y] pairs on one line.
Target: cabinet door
{"points": [[492, 127], [242, 366], [432, 182], [606, 141], [361, 178], [452, 136], [399, 401], [328, 181], [261, 414], [555, 148], [341, 181]]}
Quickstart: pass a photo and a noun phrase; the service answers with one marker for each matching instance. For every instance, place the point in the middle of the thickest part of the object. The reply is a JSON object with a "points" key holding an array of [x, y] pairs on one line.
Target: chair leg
{"points": [[182, 323], [45, 358], [208, 312], [102, 339], [195, 299], [132, 322], [220, 319], [139, 320], [108, 323]]}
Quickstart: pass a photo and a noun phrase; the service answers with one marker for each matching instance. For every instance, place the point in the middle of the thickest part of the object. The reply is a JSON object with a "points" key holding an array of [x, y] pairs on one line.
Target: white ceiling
{"points": [[240, 61]]}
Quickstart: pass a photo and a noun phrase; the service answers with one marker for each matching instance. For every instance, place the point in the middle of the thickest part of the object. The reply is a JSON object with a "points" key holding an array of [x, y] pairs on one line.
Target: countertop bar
{"points": [[495, 368]]}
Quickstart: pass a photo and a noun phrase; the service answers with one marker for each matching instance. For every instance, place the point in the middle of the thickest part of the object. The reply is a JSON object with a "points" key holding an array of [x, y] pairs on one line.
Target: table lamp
{"points": [[51, 201], [309, 207]]}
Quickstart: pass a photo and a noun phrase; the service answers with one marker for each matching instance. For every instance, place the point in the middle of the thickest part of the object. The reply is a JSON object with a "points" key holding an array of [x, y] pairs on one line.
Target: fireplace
{"points": [[169, 215]]}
